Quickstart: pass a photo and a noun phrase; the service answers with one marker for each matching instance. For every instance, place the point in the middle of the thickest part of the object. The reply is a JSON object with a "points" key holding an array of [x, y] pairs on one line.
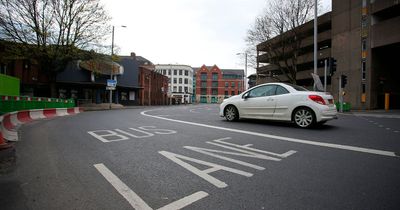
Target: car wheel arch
{"points": [[232, 105], [304, 107]]}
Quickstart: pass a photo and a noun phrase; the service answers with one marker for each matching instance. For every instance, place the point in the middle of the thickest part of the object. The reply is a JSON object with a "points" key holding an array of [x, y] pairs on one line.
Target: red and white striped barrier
{"points": [[11, 121]]}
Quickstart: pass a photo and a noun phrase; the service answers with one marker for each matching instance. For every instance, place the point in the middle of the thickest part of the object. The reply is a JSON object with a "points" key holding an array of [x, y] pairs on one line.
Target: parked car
{"points": [[281, 101]]}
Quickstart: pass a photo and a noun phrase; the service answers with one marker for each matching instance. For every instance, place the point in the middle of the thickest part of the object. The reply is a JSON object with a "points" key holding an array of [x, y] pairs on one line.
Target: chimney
{"points": [[133, 55]]}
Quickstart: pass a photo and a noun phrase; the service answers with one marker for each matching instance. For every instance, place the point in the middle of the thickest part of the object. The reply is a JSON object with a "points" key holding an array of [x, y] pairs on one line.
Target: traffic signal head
{"points": [[344, 80], [332, 66]]}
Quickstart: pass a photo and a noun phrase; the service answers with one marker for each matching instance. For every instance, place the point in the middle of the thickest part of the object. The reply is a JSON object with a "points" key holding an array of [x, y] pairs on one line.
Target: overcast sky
{"points": [[190, 32]]}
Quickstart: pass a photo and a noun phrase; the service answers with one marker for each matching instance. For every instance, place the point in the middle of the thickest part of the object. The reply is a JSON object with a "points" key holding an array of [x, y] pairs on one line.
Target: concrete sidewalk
{"points": [[376, 113]]}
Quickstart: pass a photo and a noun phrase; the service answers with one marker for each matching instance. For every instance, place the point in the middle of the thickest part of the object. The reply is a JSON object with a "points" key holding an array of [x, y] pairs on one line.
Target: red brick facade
{"points": [[214, 84], [154, 87]]}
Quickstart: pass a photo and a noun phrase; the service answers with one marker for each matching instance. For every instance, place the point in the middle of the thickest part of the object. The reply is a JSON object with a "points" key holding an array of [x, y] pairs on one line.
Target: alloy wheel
{"points": [[304, 118]]}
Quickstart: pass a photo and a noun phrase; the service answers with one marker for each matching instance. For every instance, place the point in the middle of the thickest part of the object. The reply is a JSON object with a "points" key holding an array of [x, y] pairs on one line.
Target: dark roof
{"points": [[233, 71], [140, 60], [143, 61]]}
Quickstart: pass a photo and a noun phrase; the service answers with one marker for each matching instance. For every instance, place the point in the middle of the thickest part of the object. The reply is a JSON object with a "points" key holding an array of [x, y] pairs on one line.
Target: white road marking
{"points": [[147, 134], [387, 128], [284, 155], [179, 204], [380, 126], [209, 152], [133, 199], [288, 139], [247, 145], [396, 131], [110, 133], [205, 173], [136, 201]]}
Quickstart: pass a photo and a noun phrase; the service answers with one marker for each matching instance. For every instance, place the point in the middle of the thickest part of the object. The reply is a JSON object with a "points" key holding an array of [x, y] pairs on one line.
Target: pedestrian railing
{"points": [[16, 103]]}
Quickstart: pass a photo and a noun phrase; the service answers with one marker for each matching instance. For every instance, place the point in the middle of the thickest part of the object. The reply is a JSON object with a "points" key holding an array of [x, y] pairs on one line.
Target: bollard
{"points": [[3, 143], [387, 101]]}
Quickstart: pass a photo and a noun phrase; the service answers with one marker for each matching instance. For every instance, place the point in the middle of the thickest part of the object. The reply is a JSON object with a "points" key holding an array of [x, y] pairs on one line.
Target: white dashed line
{"points": [[282, 138]]}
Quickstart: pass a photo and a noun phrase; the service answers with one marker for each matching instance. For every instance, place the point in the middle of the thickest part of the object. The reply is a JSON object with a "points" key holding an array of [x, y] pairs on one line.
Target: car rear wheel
{"points": [[304, 117], [231, 113]]}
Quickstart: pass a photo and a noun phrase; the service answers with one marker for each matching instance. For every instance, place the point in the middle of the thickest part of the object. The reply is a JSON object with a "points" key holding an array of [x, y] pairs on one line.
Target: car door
{"points": [[258, 103], [283, 100]]}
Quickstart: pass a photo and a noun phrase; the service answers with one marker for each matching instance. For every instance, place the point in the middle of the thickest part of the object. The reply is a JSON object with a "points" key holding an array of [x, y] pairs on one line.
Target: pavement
{"points": [[395, 113]]}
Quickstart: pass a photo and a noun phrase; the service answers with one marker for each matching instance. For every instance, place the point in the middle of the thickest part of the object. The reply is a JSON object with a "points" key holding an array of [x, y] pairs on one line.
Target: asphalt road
{"points": [[189, 157]]}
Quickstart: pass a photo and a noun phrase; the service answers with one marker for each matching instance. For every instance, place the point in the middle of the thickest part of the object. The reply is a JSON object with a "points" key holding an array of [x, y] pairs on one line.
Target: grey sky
{"points": [[185, 32]]}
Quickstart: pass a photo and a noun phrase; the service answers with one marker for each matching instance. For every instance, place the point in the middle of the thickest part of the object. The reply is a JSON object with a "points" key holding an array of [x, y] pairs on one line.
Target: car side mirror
{"points": [[246, 96]]}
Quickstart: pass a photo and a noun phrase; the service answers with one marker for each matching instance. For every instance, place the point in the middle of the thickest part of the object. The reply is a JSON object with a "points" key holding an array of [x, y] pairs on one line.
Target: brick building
{"points": [[154, 86], [214, 84]]}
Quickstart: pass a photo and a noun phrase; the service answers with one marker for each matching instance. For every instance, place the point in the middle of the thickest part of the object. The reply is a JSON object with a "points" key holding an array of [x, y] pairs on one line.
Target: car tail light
{"points": [[317, 99]]}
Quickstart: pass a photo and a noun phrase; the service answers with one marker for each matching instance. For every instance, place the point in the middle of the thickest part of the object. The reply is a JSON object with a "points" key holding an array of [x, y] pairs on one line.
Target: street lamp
{"points": [[245, 70], [112, 62]]}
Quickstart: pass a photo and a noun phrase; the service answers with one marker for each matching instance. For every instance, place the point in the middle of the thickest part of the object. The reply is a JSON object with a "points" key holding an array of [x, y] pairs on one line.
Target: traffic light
{"points": [[344, 80], [332, 66]]}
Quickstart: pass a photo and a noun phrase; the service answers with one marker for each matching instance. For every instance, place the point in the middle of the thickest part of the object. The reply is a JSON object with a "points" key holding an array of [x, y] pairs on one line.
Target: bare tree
{"points": [[279, 26], [53, 32]]}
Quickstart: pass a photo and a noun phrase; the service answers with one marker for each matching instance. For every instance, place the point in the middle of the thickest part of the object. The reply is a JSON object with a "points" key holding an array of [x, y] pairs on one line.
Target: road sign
{"points": [[111, 83], [110, 88]]}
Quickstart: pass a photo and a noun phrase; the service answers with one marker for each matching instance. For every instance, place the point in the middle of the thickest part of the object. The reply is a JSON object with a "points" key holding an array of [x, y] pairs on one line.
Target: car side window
{"points": [[281, 90], [266, 90]]}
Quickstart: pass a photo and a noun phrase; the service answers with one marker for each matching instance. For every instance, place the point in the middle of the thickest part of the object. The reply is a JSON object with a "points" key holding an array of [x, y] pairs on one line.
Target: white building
{"points": [[180, 81]]}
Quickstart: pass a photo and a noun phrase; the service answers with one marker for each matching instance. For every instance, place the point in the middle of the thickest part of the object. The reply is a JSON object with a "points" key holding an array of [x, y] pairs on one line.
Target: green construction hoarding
{"points": [[9, 86]]}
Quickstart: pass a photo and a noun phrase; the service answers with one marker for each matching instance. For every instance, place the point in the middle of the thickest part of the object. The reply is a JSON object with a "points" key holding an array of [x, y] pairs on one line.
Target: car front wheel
{"points": [[231, 113], [304, 117]]}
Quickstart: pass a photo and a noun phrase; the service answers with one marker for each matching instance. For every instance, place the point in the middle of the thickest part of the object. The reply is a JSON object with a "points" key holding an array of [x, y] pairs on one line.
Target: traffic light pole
{"points": [[325, 72], [340, 95]]}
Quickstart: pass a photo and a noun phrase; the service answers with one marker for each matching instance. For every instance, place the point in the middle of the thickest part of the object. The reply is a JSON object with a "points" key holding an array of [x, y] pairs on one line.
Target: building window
{"points": [[164, 72], [180, 80], [174, 89], [203, 76], [215, 84], [186, 81], [180, 72], [186, 72], [226, 84], [363, 88], [203, 91], [363, 69], [204, 84], [233, 93], [226, 94], [175, 81], [180, 89], [169, 72], [232, 84], [186, 90], [175, 72], [215, 92], [214, 76]]}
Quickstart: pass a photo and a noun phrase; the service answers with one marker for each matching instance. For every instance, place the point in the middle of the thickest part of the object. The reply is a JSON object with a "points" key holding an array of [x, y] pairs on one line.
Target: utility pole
{"points": [[112, 63], [315, 37], [325, 74]]}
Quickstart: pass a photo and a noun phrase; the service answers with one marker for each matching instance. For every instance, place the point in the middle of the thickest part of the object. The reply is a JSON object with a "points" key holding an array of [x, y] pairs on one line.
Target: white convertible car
{"points": [[281, 101]]}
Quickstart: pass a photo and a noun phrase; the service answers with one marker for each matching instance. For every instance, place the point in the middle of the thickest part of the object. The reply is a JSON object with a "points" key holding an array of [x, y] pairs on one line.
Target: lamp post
{"points": [[245, 70], [315, 36], [112, 62]]}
